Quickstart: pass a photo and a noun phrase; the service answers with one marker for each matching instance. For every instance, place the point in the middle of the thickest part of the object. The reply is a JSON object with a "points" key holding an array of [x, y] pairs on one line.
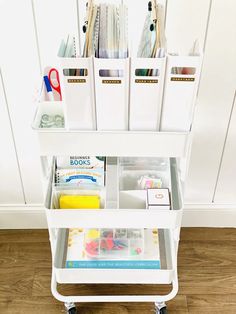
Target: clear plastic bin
{"points": [[133, 173], [114, 243]]}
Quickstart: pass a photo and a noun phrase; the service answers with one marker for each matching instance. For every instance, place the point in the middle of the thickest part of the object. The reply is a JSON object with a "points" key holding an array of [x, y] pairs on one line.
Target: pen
{"points": [[48, 88]]}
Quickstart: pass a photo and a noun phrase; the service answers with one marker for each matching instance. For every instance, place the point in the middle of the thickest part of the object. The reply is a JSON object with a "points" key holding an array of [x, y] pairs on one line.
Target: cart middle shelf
{"points": [[127, 212]]}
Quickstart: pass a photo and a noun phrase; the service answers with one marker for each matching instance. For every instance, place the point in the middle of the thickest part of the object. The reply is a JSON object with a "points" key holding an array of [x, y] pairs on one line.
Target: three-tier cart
{"points": [[173, 146]]}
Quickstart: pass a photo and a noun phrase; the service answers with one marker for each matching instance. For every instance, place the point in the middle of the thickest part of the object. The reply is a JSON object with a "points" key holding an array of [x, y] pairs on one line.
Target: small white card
{"points": [[158, 199]]}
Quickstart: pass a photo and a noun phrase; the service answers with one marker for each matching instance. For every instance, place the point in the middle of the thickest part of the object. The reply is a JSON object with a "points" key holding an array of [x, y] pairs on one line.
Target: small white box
{"points": [[158, 199]]}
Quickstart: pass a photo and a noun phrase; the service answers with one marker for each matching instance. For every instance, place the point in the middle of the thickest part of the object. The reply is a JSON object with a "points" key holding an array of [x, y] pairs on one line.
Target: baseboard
{"points": [[22, 217], [204, 215], [209, 215]]}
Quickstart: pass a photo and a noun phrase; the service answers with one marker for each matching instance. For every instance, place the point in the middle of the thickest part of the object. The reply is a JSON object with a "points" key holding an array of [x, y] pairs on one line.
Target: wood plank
{"points": [[178, 305], [205, 234], [213, 304], [31, 305], [49, 305], [16, 281], [187, 234], [23, 236], [25, 255], [105, 289], [207, 280], [4, 305], [207, 254]]}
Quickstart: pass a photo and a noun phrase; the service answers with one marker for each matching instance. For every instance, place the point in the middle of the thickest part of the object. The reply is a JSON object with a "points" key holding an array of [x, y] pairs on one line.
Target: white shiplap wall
{"points": [[215, 97], [11, 189], [51, 28], [30, 32], [20, 72], [225, 192]]}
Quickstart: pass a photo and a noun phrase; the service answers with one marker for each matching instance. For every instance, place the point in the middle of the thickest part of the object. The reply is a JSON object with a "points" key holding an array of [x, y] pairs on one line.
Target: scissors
{"points": [[54, 80]]}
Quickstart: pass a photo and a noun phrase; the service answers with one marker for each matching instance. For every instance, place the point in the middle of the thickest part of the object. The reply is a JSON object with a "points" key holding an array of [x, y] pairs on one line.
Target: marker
{"points": [[48, 88]]}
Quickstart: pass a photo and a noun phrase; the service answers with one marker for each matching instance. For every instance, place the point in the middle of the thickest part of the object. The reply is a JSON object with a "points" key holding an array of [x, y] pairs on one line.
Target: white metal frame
{"points": [[121, 143], [156, 144]]}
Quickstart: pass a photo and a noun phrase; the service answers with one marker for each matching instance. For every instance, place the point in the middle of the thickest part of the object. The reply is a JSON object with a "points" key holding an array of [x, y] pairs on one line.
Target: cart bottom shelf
{"points": [[164, 275]]}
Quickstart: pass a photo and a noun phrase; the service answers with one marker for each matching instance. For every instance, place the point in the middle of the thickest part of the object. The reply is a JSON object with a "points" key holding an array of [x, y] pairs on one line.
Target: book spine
{"points": [[155, 264]]}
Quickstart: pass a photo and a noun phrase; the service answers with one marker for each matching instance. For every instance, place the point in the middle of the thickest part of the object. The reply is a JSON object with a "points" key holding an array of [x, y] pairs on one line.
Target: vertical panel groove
{"points": [[204, 44], [13, 137], [36, 36], [207, 25], [78, 26], [223, 149], [166, 8]]}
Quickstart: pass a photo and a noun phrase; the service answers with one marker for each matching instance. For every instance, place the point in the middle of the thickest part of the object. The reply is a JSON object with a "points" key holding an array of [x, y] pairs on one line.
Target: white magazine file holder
{"points": [[112, 93], [78, 92], [180, 92], [146, 94]]}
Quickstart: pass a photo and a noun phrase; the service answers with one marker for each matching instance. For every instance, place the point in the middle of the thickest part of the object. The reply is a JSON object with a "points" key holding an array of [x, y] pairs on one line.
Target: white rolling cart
{"points": [[121, 143]]}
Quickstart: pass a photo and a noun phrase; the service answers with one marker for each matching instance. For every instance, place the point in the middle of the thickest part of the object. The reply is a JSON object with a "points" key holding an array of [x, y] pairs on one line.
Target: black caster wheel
{"points": [[72, 311], [163, 310]]}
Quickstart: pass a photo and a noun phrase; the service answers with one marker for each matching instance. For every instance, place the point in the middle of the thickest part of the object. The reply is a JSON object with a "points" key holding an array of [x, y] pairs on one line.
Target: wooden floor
{"points": [[207, 274]]}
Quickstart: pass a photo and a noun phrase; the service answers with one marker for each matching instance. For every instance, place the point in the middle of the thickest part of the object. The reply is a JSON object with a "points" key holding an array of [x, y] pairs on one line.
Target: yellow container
{"points": [[79, 202]]}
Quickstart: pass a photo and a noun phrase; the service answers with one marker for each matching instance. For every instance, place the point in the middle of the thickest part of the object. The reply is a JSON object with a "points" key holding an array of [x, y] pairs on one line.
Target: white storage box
{"points": [[78, 92], [158, 199], [181, 83], [146, 93], [111, 88]]}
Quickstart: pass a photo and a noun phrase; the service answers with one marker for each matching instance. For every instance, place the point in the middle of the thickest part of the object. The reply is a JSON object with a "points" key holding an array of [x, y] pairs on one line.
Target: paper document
{"points": [[106, 33], [152, 39]]}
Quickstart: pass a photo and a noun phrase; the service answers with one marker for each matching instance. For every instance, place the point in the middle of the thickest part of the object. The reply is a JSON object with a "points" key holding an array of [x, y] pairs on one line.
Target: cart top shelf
{"points": [[113, 143]]}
